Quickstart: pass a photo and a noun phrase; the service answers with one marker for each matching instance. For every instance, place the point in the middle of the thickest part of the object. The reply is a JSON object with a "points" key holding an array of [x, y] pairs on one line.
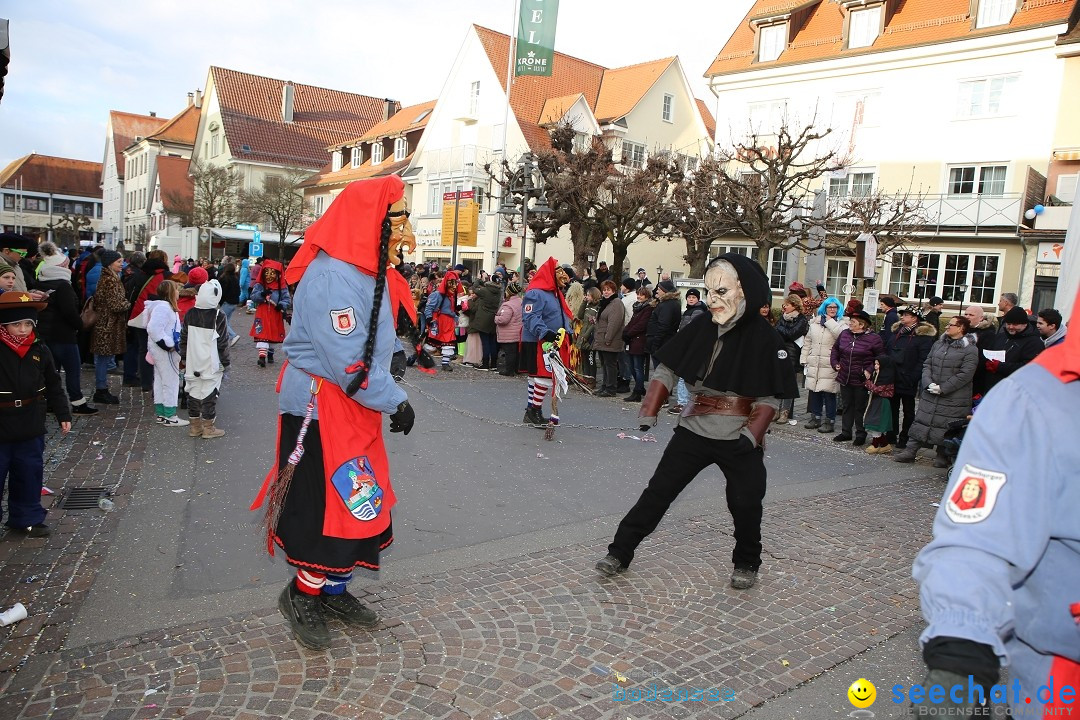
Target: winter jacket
{"points": [[664, 321], [628, 301], [204, 343], [1020, 349], [984, 332], [891, 318], [154, 272], [508, 321], [792, 330], [817, 354], [133, 279], [92, 278], [230, 289], [908, 349], [33, 379], [607, 336], [855, 354], [635, 331], [484, 307], [245, 280], [110, 331], [583, 336], [60, 322], [162, 324], [951, 364], [691, 312], [186, 301]]}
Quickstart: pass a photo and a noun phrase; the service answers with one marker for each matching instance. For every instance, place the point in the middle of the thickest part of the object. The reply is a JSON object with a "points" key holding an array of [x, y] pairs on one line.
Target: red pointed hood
{"points": [[1063, 360], [351, 227], [544, 279], [270, 265], [450, 275]]}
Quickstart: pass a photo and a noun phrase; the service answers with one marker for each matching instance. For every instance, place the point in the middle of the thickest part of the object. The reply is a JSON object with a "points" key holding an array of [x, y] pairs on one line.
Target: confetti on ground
{"points": [[935, 504], [179, 490], [47, 491], [644, 438], [100, 457], [541, 456], [785, 663], [121, 417]]}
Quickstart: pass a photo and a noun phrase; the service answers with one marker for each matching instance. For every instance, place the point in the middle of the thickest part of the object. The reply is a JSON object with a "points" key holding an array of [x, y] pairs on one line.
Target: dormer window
{"points": [[772, 39], [864, 26], [401, 149], [994, 12], [357, 156], [336, 160], [376, 153]]}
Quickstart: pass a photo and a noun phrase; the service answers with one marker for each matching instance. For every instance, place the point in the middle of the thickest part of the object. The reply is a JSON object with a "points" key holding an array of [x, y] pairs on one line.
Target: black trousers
{"points": [[687, 455], [908, 401], [854, 408], [610, 361]]}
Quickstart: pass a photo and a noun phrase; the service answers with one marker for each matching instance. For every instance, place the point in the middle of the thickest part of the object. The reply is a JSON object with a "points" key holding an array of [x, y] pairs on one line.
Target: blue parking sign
{"points": [[256, 249]]}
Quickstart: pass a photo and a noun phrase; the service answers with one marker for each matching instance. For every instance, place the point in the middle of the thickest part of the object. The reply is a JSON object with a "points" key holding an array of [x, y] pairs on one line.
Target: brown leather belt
{"points": [[718, 405], [18, 403]]}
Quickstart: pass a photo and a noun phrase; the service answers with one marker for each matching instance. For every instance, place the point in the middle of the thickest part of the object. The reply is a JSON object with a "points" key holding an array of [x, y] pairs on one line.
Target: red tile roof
{"points": [[706, 117], [251, 113], [173, 178], [181, 129], [128, 126], [63, 176], [624, 87], [347, 174], [911, 23]]}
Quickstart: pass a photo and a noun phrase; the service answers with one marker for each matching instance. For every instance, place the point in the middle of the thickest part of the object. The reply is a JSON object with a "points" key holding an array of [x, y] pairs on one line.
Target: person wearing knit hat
{"points": [[109, 335], [14, 250], [59, 324], [195, 279], [852, 305], [508, 328], [7, 277], [29, 384], [1019, 340]]}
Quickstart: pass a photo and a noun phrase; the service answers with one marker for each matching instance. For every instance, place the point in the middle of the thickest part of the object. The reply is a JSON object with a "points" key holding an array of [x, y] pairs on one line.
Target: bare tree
{"points": [[281, 201], [66, 229], [216, 191], [179, 207], [697, 213]]}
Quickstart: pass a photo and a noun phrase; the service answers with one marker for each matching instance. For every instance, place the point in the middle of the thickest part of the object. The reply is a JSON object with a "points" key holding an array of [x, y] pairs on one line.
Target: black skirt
{"points": [[527, 358], [299, 529]]}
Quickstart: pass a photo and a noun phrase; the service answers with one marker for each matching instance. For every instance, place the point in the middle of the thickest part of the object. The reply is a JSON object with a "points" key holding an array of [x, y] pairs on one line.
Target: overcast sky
{"points": [[73, 61]]}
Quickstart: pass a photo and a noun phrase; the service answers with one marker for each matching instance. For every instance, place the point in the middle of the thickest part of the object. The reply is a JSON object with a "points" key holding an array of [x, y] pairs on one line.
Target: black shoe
{"points": [[148, 389], [262, 362], [632, 397], [304, 613], [270, 358], [610, 566], [842, 437], [349, 610], [604, 393], [448, 368], [83, 409], [533, 417], [814, 423], [104, 397], [622, 387], [743, 578], [34, 531], [133, 383], [860, 439]]}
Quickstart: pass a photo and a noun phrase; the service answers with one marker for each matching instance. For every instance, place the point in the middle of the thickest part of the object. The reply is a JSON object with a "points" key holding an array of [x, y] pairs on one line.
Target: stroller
{"points": [[954, 436]]}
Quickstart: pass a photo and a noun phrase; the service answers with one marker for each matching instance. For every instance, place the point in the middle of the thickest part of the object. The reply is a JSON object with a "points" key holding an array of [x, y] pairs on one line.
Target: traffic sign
{"points": [[255, 250], [256, 236], [246, 226]]}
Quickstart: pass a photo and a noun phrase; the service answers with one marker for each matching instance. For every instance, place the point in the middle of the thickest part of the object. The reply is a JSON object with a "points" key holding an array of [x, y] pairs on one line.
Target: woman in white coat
{"points": [[163, 331], [821, 382]]}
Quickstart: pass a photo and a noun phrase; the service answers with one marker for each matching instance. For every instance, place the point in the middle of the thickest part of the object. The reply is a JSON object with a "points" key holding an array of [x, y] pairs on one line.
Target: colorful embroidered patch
{"points": [[258, 326], [359, 489], [344, 321], [527, 308], [974, 495]]}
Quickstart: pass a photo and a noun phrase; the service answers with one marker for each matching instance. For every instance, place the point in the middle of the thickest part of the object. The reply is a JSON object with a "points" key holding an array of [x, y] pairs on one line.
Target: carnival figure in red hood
{"points": [[441, 315], [329, 494], [273, 304], [546, 318]]}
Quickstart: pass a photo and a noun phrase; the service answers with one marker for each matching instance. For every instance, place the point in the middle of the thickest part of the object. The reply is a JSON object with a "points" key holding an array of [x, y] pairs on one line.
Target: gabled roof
{"points": [[404, 121], [556, 108], [910, 23], [624, 87], [706, 117], [181, 129], [251, 113], [173, 178], [63, 176], [128, 126]]}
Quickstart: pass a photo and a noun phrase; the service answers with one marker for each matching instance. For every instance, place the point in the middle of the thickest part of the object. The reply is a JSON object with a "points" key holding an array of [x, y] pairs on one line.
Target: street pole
{"points": [[453, 250], [524, 238]]}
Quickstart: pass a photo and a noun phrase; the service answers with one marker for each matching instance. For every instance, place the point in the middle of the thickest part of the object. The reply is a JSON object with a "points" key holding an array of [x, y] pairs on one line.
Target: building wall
{"points": [[112, 191]]}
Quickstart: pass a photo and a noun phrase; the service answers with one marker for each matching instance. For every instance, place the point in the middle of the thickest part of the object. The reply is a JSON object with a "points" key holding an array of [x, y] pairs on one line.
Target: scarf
{"points": [[21, 346], [54, 272]]}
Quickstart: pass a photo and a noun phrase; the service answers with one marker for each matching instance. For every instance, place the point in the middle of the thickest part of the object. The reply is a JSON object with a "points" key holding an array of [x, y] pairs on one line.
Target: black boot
{"points": [[350, 610], [633, 397], [534, 417], [304, 613], [104, 397], [860, 439]]}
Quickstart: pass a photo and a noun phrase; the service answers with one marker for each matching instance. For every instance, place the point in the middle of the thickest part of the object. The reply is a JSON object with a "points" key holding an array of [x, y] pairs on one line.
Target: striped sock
{"points": [[263, 348], [447, 354], [335, 584], [538, 389], [310, 583]]}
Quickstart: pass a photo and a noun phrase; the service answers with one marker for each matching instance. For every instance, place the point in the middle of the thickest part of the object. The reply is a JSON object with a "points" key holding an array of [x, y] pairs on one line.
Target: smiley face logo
{"points": [[862, 693]]}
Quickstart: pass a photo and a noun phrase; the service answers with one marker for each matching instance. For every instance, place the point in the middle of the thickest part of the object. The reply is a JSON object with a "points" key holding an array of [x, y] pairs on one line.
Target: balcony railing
{"points": [[456, 161], [978, 213]]}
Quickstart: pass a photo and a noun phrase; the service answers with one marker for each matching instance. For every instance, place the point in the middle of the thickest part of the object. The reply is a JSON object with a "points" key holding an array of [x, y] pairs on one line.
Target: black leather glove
{"points": [[398, 363], [550, 336], [947, 680], [161, 344], [402, 420]]}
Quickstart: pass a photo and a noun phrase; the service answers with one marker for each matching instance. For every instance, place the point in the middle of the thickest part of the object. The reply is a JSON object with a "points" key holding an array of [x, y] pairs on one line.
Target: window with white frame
{"points": [[319, 204], [474, 97], [669, 101], [994, 12], [336, 159], [864, 26], [633, 154], [215, 144], [716, 251], [401, 148], [766, 117], [357, 158], [772, 39], [954, 276], [777, 268], [1066, 188], [376, 153], [434, 199], [987, 97], [991, 180], [854, 183]]}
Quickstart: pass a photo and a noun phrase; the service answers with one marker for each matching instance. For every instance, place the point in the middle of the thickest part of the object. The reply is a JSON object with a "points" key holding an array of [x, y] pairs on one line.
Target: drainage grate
{"points": [[83, 498]]}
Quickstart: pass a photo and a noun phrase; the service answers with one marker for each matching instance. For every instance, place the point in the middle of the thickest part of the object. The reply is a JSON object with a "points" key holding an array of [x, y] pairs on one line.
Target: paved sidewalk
{"points": [[542, 635]]}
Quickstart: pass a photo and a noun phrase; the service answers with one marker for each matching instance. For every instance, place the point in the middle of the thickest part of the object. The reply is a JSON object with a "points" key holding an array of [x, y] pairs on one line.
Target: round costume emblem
{"points": [[781, 354]]}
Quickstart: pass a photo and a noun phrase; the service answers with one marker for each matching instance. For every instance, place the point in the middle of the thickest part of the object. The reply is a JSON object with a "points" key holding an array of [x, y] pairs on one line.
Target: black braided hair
{"points": [[376, 303]]}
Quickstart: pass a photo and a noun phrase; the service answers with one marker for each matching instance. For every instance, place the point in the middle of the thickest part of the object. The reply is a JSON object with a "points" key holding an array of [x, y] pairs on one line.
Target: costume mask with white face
{"points": [[725, 294]]}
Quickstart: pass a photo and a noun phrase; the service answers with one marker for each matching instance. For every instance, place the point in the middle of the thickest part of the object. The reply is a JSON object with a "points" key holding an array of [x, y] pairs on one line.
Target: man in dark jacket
{"points": [[908, 344], [664, 321], [488, 297], [1020, 342], [887, 305], [933, 316], [59, 324], [984, 329]]}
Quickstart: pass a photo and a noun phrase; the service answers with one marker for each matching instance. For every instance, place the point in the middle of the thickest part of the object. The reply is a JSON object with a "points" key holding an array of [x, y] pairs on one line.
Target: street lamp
{"points": [[659, 273], [524, 186], [590, 257]]}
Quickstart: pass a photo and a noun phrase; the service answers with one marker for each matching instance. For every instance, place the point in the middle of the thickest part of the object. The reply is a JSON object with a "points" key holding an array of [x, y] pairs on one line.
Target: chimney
{"points": [[389, 109], [288, 93], [198, 98], [190, 99], [153, 114]]}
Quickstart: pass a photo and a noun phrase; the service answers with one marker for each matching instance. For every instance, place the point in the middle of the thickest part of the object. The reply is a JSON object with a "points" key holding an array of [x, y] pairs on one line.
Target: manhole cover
{"points": [[83, 498]]}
